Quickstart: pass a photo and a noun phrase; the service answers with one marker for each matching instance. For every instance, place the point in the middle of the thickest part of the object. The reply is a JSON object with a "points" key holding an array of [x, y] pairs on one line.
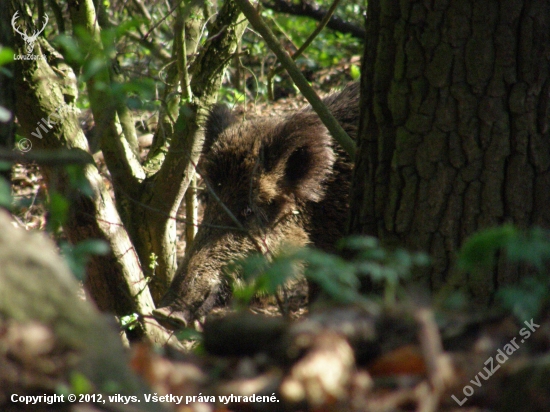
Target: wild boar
{"points": [[269, 183]]}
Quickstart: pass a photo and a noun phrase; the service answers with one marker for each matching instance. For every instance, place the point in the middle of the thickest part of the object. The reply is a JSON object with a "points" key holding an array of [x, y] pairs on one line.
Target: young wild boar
{"points": [[285, 180]]}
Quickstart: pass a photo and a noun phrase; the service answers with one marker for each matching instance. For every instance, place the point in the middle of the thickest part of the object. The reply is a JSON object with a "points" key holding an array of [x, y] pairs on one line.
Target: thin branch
{"points": [[150, 45], [298, 53], [56, 158], [142, 9]]}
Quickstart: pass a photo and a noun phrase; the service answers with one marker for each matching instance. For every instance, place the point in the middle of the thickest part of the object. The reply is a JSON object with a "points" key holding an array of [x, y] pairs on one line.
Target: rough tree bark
{"points": [[454, 136]]}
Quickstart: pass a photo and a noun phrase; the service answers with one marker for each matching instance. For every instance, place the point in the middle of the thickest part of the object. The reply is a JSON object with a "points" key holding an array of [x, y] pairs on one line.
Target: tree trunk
{"points": [[7, 96], [454, 132], [48, 332]]}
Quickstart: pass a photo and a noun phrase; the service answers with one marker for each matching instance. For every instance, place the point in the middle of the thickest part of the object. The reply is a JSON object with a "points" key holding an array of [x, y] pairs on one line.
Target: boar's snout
{"points": [[199, 284]]}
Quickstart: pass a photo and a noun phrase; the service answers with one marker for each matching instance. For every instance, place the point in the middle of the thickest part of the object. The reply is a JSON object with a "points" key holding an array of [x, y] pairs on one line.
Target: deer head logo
{"points": [[29, 40]]}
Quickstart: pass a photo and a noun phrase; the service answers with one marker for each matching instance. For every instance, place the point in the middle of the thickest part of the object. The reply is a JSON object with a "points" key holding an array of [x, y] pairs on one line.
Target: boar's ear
{"points": [[303, 159], [219, 119]]}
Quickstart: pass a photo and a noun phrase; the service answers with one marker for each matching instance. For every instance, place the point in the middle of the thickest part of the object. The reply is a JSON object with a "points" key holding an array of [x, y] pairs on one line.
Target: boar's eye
{"points": [[246, 212]]}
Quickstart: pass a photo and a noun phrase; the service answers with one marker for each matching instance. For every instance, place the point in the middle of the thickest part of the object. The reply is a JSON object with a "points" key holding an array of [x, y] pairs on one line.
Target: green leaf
{"points": [[77, 256], [129, 321], [355, 72], [71, 47], [91, 247], [259, 276], [80, 384], [526, 299], [188, 334], [533, 248], [6, 55], [478, 252], [78, 179], [5, 193], [338, 278], [91, 68], [134, 92], [58, 211]]}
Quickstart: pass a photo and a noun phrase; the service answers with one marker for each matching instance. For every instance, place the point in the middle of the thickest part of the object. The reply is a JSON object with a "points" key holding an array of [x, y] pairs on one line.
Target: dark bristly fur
{"points": [[286, 180]]}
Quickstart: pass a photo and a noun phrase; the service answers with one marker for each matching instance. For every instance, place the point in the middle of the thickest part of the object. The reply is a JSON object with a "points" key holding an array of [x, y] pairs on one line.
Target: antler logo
{"points": [[29, 40]]}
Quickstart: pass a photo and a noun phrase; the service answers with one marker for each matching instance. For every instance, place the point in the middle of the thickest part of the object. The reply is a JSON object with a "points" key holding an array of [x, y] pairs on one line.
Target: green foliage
{"points": [[58, 209], [382, 265], [73, 52], [261, 276], [153, 261], [187, 334], [5, 165], [328, 48], [78, 384], [5, 193], [80, 52], [478, 252], [526, 299], [78, 180], [338, 278], [532, 247], [6, 56], [5, 187], [136, 94], [232, 96], [355, 72], [129, 322], [77, 256]]}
